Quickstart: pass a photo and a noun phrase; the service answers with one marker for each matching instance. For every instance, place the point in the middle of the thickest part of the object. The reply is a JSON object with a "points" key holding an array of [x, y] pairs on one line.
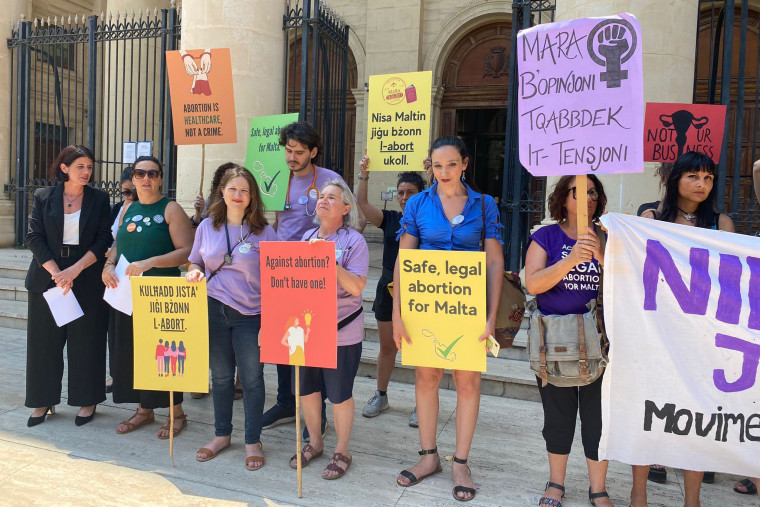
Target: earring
{"points": [[462, 175]]}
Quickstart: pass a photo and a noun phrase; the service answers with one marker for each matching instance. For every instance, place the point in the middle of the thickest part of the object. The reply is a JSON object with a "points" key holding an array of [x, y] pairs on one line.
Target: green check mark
{"points": [[445, 352], [271, 182]]}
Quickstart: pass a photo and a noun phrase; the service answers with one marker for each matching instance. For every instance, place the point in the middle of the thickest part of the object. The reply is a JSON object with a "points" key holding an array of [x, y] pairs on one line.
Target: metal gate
{"points": [[727, 73], [99, 81], [523, 197], [316, 74]]}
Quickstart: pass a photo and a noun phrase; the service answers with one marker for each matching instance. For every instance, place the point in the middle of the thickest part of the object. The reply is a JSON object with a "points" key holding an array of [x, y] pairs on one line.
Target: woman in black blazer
{"points": [[69, 233]]}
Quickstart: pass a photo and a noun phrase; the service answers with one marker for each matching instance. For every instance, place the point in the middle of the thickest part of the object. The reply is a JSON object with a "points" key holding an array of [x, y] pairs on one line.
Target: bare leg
{"points": [[468, 404], [386, 358], [216, 444], [597, 476], [343, 417], [311, 406], [692, 482], [639, 489], [557, 472]]}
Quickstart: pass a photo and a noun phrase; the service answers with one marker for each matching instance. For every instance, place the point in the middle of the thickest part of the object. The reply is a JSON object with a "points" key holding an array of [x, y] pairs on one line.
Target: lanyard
{"points": [[339, 249], [304, 199], [245, 248]]}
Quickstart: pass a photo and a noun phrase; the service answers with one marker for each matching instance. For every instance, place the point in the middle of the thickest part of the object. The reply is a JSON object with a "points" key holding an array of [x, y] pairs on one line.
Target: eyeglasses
{"points": [[126, 192], [592, 193], [139, 174]]}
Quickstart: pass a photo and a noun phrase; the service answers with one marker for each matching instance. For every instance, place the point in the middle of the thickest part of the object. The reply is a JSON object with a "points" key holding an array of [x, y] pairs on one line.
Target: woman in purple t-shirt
{"points": [[563, 271]]}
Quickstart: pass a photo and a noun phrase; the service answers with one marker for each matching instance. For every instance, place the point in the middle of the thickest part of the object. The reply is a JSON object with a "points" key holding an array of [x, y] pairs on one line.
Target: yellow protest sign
{"points": [[398, 120], [170, 318], [443, 306]]}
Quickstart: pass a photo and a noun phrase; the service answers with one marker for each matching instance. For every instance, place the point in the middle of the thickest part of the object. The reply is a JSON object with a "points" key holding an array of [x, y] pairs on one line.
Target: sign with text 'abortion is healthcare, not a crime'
{"points": [[398, 121], [580, 97], [682, 310], [443, 306]]}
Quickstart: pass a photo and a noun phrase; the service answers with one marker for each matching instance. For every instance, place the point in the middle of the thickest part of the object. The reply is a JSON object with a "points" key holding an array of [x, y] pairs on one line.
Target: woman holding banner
{"points": [[409, 184], [449, 216], [155, 237], [337, 214], [555, 252], [689, 200], [226, 254]]}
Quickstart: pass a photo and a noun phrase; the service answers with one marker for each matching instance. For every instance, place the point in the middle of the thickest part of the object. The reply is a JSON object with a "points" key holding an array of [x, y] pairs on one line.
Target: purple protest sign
{"points": [[581, 97]]}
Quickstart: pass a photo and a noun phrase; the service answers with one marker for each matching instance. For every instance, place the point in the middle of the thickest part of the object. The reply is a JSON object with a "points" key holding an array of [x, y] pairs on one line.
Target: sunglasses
{"points": [[139, 174], [126, 193], [592, 193]]}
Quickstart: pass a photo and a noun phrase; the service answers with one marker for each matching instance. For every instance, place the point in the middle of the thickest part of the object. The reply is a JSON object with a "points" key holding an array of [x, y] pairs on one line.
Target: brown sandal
{"points": [[333, 466], [149, 418], [177, 427], [256, 461], [304, 460], [209, 453]]}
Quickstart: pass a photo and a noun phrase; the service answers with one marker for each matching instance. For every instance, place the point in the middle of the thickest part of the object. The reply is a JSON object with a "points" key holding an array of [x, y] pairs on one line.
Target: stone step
{"points": [[12, 289], [13, 314], [14, 269]]}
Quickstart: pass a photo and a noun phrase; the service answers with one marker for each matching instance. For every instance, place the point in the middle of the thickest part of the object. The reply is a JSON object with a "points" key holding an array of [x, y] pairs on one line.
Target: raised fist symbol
{"points": [[611, 38]]}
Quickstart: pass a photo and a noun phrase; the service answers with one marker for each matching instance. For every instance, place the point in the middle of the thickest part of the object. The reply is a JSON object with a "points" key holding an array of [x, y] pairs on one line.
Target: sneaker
{"points": [[277, 415], [413, 419], [305, 436], [375, 405]]}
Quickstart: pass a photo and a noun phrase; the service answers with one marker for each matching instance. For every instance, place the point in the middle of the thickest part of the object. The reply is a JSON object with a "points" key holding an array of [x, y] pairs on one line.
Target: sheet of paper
{"points": [[65, 309], [120, 298]]}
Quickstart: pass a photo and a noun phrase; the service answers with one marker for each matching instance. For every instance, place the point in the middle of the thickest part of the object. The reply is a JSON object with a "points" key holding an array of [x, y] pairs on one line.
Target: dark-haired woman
{"points": [[449, 216], [234, 227], [556, 256], [155, 236], [68, 236], [409, 184], [689, 200]]}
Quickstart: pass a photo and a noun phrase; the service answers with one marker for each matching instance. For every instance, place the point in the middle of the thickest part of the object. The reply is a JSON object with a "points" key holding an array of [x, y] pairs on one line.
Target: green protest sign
{"points": [[265, 158]]}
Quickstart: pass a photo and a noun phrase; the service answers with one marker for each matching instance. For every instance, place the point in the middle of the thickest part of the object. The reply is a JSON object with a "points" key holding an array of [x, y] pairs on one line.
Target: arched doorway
{"points": [[474, 103]]}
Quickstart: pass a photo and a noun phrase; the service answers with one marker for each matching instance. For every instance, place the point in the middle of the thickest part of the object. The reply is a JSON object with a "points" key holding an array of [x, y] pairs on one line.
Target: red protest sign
{"points": [[299, 304], [673, 129]]}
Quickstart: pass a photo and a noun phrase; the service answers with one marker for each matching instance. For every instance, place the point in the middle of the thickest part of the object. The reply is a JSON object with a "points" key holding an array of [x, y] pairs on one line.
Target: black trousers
{"points": [[85, 341], [123, 372], [561, 408]]}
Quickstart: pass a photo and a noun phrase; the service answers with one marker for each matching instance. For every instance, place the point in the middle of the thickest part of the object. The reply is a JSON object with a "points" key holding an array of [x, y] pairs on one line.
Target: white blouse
{"points": [[71, 228]]}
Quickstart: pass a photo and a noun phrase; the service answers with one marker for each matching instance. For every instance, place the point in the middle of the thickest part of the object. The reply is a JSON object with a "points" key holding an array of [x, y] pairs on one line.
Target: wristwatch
{"points": [[364, 178]]}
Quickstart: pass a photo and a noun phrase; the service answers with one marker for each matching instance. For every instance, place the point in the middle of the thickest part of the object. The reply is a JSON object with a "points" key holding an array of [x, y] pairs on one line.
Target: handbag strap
{"points": [[543, 374], [582, 364]]}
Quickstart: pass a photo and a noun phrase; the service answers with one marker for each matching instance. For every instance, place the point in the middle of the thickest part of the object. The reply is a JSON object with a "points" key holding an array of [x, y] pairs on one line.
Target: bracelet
{"points": [[109, 263], [364, 179]]}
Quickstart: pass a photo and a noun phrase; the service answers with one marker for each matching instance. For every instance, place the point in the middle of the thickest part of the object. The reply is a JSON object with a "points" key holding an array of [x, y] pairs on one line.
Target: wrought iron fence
{"points": [[99, 81]]}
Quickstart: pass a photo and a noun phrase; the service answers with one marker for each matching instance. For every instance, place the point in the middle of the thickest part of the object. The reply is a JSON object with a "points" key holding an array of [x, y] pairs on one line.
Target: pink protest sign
{"points": [[581, 97]]}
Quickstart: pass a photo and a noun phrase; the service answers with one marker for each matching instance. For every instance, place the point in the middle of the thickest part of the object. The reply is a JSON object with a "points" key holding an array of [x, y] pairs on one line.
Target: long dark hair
{"points": [[456, 142], [67, 156], [689, 162], [254, 214], [556, 200]]}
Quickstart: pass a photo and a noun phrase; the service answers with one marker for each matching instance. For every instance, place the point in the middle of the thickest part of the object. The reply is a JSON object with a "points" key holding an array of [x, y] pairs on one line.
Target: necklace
{"points": [[689, 217], [71, 201]]}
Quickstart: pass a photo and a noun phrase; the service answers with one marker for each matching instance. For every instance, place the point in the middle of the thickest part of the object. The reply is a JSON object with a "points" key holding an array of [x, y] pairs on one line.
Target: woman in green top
{"points": [[155, 236]]}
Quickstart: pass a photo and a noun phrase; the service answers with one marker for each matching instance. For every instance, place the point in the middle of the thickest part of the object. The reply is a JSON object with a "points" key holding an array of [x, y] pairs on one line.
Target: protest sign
{"points": [[673, 129], [580, 97], [398, 120], [203, 103], [170, 318], [443, 306], [682, 311], [265, 158], [299, 303]]}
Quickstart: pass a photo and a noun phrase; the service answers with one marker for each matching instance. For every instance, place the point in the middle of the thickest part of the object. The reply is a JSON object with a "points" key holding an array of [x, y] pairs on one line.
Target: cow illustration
{"points": [[681, 121]]}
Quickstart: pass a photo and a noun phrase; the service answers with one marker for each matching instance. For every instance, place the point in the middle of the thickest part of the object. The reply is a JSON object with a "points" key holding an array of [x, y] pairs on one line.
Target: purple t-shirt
{"points": [[237, 285], [292, 223], [579, 286], [355, 259]]}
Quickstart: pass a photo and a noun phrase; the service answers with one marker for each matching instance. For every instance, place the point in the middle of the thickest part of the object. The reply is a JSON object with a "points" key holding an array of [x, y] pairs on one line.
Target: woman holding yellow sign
{"points": [[450, 215]]}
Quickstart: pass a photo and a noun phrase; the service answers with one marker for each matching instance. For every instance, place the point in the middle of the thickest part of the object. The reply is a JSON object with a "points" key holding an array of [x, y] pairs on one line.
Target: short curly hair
{"points": [[556, 200]]}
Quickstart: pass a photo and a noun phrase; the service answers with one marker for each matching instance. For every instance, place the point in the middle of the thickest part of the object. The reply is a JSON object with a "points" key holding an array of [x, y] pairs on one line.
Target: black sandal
{"points": [[463, 489], [412, 478], [593, 496], [748, 485], [545, 500]]}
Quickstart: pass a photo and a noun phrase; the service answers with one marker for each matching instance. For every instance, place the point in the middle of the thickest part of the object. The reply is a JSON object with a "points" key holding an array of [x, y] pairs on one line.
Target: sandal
{"points": [[149, 418], [594, 496], [177, 427], [412, 478], [748, 485], [658, 474], [333, 466], [463, 489], [304, 460], [253, 463], [545, 500], [209, 453]]}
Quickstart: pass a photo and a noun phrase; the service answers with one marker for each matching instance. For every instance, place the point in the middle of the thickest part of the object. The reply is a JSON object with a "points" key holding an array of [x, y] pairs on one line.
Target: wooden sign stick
{"points": [[581, 202], [203, 168], [298, 432], [171, 426]]}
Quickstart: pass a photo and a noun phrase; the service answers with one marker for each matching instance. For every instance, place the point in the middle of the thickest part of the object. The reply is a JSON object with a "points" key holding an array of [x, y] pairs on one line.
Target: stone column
{"points": [[668, 32], [253, 32]]}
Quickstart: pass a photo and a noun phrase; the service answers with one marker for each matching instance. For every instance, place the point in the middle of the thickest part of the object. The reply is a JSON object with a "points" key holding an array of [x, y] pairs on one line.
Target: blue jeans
{"points": [[233, 338]]}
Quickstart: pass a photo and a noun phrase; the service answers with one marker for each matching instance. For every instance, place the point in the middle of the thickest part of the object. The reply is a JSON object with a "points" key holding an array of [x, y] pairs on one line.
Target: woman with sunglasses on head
{"points": [[68, 236], [689, 200], [556, 256], [155, 236], [226, 254], [450, 215]]}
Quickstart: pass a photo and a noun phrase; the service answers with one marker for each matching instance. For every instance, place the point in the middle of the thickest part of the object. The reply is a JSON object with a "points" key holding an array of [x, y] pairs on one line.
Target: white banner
{"points": [[682, 309]]}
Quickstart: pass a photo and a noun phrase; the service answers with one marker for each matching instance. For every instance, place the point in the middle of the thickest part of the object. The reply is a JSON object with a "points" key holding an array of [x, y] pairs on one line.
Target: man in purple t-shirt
{"points": [[302, 145]]}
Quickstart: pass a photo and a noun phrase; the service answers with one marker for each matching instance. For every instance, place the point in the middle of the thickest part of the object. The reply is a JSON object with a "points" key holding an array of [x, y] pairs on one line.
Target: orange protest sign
{"points": [[299, 304], [203, 104]]}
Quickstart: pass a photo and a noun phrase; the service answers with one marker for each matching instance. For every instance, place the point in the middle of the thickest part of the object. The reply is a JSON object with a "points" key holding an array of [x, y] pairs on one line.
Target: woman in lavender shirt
{"points": [[563, 271], [226, 253]]}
